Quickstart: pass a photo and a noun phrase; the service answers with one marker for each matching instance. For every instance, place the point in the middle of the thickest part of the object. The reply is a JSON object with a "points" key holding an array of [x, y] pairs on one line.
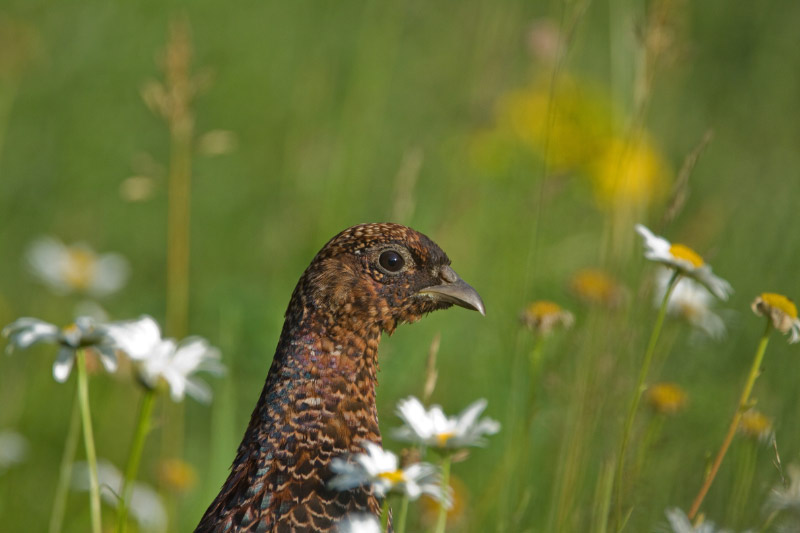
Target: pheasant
{"points": [[318, 401]]}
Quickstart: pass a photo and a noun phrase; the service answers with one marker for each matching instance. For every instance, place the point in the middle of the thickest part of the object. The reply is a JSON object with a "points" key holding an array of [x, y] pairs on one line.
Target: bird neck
{"points": [[323, 376]]}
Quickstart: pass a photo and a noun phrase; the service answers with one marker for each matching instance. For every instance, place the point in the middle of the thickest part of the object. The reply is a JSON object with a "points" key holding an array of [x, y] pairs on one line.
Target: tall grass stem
{"points": [[441, 521], [135, 456], [744, 401], [637, 395], [88, 441], [402, 515], [385, 515], [65, 469]]}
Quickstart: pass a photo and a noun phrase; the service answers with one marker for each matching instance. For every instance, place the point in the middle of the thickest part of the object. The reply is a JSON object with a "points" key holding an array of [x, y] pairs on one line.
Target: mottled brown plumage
{"points": [[318, 401]]}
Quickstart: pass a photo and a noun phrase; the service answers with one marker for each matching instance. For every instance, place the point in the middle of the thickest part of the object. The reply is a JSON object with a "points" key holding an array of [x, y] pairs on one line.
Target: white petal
{"points": [[107, 357], [199, 390], [413, 490], [147, 509], [470, 414], [362, 523], [656, 248], [63, 364], [439, 421], [137, 338], [46, 257], [111, 273], [28, 331], [795, 332], [13, 449], [413, 413], [718, 286]]}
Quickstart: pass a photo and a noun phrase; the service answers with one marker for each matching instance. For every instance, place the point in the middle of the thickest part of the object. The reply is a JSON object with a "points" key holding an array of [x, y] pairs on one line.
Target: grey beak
{"points": [[456, 291]]}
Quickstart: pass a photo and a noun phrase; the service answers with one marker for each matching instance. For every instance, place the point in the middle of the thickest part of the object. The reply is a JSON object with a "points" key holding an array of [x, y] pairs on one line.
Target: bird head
{"points": [[383, 274]]}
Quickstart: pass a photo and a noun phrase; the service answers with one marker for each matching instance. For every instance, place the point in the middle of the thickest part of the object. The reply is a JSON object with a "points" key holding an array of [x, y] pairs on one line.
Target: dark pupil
{"points": [[391, 261]]}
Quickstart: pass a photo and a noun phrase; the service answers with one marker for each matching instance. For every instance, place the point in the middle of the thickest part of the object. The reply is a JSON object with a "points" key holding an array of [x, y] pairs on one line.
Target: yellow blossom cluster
{"points": [[574, 127]]}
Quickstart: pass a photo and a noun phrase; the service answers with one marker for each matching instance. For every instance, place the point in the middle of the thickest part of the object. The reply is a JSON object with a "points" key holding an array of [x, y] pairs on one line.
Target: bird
{"points": [[318, 400]]}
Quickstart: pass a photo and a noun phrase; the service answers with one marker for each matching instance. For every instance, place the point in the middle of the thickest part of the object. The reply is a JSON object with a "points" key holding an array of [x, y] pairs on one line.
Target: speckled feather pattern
{"points": [[318, 401]]}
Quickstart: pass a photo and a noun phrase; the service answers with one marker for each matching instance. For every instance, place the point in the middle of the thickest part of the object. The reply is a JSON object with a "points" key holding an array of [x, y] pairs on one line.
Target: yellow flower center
{"points": [[177, 475], [442, 438], [755, 424], [393, 477], [681, 251], [667, 398], [79, 268], [543, 308], [593, 285], [779, 301]]}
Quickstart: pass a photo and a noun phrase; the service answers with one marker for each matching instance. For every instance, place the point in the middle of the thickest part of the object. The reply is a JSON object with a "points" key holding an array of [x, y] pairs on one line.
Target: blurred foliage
{"points": [[346, 112]]}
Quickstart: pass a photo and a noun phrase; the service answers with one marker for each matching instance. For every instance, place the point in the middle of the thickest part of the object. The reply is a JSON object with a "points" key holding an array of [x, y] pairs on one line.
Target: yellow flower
{"points": [[755, 425], [781, 310], [629, 173], [595, 287], [177, 475], [666, 398], [569, 123], [544, 316]]}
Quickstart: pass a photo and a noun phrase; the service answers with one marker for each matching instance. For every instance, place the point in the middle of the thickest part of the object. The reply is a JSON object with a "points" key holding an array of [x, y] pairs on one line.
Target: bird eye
{"points": [[391, 261]]}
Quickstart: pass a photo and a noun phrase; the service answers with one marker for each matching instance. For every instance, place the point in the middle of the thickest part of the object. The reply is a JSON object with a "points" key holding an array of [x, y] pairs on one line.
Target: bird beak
{"points": [[455, 290]]}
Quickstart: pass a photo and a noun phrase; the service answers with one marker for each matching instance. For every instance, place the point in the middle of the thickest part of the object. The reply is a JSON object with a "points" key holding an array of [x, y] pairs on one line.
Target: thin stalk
{"points": [[441, 522], [385, 515], [651, 434], [746, 457], [536, 369], [65, 469], [401, 517], [134, 457], [536, 358], [637, 394], [88, 441], [755, 370]]}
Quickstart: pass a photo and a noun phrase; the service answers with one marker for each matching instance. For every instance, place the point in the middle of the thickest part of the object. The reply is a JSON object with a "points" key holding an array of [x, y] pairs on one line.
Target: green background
{"points": [[327, 99]]}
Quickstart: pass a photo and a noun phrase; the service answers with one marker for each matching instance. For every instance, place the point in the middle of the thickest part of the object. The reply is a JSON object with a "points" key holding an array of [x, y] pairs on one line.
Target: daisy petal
{"points": [[63, 364]]}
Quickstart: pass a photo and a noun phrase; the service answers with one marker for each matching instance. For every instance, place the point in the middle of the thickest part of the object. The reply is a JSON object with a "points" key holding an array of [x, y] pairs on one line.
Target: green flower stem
{"points": [[385, 515], [441, 522], [536, 357], [401, 517], [637, 395], [88, 440], [536, 367], [744, 401], [65, 469], [134, 457]]}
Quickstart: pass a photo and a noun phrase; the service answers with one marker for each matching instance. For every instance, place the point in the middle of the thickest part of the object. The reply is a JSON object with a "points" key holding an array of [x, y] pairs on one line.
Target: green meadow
{"points": [[525, 138]]}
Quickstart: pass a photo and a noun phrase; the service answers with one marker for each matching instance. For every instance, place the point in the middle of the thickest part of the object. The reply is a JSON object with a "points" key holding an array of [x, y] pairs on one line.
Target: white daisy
{"points": [[145, 505], [158, 359], [691, 301], [433, 428], [77, 267], [379, 469], [683, 259], [781, 311], [681, 524], [359, 523], [84, 333]]}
